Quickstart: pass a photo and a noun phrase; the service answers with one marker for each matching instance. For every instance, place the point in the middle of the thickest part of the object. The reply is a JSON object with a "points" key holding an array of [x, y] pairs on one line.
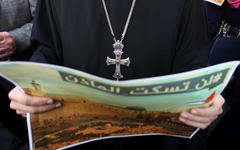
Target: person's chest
{"points": [[149, 42]]}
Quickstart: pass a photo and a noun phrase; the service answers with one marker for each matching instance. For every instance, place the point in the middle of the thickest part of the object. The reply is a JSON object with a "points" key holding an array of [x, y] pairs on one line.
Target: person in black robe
{"points": [[163, 37], [225, 47]]}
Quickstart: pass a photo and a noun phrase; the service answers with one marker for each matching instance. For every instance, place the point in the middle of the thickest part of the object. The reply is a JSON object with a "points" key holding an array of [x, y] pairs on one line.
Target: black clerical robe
{"points": [[163, 37]]}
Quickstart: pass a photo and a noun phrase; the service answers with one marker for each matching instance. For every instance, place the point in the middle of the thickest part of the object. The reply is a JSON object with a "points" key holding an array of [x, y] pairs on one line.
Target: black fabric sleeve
{"points": [[193, 43], [45, 37], [15, 123]]}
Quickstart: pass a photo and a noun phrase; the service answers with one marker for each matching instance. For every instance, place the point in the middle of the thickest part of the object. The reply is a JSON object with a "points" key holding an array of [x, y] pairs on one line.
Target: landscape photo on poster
{"points": [[95, 108]]}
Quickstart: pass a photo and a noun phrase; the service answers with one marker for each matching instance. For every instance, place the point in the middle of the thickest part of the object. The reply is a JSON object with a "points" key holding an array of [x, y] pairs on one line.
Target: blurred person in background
{"points": [[224, 23]]}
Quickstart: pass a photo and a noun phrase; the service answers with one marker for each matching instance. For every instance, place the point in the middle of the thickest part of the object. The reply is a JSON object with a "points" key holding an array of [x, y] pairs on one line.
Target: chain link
{"points": [[127, 22]]}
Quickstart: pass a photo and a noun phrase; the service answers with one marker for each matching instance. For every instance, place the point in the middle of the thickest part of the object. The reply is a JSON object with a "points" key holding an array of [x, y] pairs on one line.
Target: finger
{"points": [[10, 52], [195, 124], [11, 47], [214, 110], [22, 98], [3, 55], [33, 109], [196, 118], [24, 114], [21, 112], [1, 37], [9, 43], [10, 40], [2, 50]]}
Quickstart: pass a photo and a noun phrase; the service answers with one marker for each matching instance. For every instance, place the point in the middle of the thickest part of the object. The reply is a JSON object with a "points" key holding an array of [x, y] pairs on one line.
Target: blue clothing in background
{"points": [[225, 49]]}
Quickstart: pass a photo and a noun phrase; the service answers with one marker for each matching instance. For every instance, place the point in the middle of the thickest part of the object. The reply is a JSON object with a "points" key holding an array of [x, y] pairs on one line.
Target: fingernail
{"points": [[182, 119], [50, 101], [194, 111], [184, 115], [58, 105]]}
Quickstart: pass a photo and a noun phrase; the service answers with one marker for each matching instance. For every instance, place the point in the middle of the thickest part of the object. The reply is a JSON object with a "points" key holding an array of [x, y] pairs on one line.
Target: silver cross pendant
{"points": [[118, 46]]}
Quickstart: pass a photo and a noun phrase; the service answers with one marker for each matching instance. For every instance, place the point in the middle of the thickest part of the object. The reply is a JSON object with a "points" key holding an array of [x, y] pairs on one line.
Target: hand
{"points": [[24, 103], [203, 117], [1, 37], [7, 45]]}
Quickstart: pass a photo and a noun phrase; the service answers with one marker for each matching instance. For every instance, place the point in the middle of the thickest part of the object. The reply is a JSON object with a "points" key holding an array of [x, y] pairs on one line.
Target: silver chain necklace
{"points": [[118, 46]]}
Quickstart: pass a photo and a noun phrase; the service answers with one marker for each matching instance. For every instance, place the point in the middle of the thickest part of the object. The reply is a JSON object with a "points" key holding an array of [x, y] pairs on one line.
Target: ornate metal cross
{"points": [[118, 46]]}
